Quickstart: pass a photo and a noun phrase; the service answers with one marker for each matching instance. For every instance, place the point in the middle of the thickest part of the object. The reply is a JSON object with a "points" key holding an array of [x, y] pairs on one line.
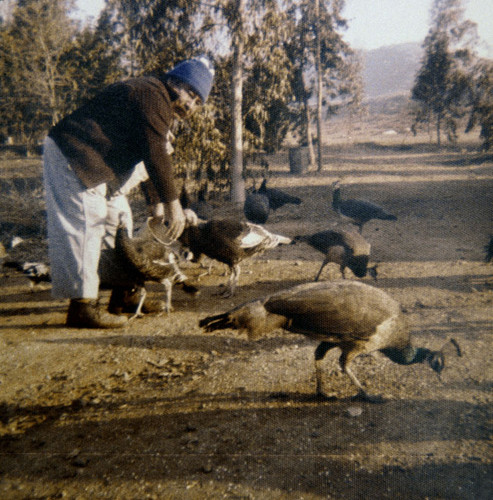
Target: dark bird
{"points": [[36, 272], [277, 197], [256, 208], [229, 241], [200, 206], [489, 250], [359, 211], [346, 248], [351, 315], [142, 259]]}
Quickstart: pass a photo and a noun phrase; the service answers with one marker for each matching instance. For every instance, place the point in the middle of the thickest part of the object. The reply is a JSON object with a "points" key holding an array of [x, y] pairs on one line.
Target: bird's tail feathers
{"points": [[216, 322], [273, 240], [386, 216], [282, 240]]}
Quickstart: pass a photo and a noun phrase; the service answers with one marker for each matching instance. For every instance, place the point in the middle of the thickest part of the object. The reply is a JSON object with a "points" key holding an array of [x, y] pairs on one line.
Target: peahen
{"points": [[277, 198], [356, 317], [229, 241], [142, 259], [359, 211], [346, 248], [256, 208]]}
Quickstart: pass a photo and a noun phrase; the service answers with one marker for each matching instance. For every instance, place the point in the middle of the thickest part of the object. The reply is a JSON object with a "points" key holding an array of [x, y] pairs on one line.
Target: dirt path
{"points": [[163, 410]]}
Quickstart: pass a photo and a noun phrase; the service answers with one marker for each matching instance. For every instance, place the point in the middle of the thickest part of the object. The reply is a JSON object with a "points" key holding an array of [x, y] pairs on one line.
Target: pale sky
{"points": [[376, 23]]}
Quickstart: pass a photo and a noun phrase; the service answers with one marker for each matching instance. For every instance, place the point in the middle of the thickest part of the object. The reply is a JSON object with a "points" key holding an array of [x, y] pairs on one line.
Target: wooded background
{"points": [[282, 69]]}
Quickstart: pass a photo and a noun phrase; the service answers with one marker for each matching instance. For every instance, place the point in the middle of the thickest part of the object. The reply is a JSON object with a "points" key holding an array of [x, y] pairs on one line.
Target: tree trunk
{"points": [[318, 68], [306, 110], [309, 134], [237, 181], [439, 123]]}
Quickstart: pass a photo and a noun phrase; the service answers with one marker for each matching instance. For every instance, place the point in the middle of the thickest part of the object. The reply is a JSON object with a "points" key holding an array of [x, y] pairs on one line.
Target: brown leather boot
{"points": [[88, 314], [125, 300]]}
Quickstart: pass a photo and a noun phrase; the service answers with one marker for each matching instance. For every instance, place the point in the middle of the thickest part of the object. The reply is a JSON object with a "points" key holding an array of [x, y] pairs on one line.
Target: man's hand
{"points": [[174, 218], [191, 217], [157, 211]]}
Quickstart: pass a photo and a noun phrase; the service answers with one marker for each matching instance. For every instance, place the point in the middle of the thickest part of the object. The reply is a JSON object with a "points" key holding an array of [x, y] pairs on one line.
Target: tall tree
{"points": [[238, 42], [91, 61], [482, 102], [251, 30], [155, 33], [318, 70], [325, 75], [32, 46], [441, 84]]}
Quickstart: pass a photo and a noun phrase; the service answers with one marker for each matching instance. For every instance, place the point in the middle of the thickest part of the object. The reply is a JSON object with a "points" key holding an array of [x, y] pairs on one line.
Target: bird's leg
{"points": [[204, 266], [138, 312], [324, 263], [343, 271], [320, 353], [362, 395], [233, 281], [168, 286]]}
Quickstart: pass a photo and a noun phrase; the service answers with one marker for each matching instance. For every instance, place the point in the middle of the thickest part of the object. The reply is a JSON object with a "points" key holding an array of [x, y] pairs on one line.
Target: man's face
{"points": [[187, 99]]}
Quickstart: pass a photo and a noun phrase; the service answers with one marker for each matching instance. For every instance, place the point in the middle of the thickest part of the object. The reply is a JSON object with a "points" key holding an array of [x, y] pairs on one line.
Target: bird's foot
{"points": [[368, 398], [136, 315]]}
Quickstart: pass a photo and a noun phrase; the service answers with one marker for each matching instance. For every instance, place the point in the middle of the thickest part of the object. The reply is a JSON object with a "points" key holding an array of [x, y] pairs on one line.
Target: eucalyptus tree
{"points": [[33, 43], [321, 61], [482, 102], [92, 61], [441, 87], [154, 33], [252, 34]]}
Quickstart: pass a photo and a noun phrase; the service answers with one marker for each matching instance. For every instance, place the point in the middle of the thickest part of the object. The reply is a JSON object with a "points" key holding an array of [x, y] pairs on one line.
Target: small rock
{"points": [[354, 411], [74, 453]]}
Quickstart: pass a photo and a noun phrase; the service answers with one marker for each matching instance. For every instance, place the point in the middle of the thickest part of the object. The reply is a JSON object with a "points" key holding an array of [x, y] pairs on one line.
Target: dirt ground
{"points": [[163, 410]]}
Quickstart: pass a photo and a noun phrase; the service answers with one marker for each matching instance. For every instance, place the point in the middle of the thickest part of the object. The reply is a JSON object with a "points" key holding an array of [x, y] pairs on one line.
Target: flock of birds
{"points": [[355, 317]]}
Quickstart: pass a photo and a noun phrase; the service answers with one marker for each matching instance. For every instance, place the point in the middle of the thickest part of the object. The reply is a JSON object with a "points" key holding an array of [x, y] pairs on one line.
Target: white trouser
{"points": [[81, 222]]}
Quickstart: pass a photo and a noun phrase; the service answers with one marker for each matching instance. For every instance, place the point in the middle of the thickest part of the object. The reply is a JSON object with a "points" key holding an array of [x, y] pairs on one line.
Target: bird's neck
{"points": [[407, 355]]}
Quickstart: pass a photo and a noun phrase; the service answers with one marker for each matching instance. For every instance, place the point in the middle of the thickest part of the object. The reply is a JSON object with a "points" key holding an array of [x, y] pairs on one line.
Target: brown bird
{"points": [[351, 315], [229, 241], [346, 248], [142, 259]]}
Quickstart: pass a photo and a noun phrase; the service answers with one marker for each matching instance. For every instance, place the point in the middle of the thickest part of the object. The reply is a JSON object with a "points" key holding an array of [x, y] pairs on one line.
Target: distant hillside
{"points": [[391, 70]]}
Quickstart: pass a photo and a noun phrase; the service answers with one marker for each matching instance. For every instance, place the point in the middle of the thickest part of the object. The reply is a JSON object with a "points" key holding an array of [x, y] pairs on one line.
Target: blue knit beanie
{"points": [[198, 73]]}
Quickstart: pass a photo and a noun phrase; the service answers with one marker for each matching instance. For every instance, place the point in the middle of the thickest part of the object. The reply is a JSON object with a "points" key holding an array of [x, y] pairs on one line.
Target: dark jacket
{"points": [[126, 123]]}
